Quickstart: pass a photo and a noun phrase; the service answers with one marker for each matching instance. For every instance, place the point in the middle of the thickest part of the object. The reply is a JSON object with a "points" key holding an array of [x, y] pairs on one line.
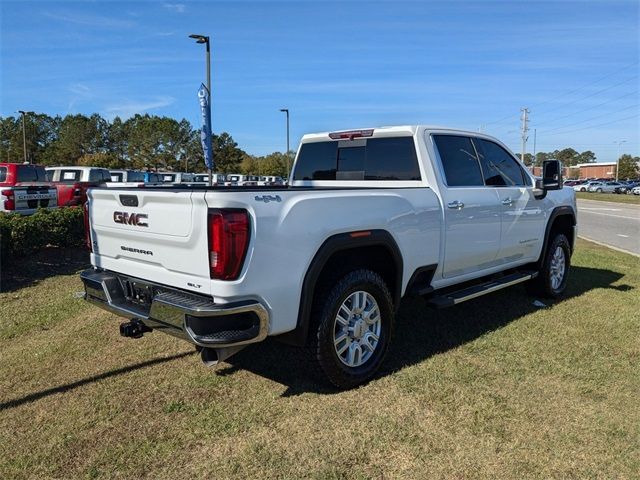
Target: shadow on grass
{"points": [[95, 378], [29, 270], [421, 332]]}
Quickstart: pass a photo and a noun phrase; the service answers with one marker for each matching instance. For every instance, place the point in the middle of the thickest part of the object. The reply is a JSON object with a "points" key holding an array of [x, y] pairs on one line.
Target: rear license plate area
{"points": [[138, 293]]}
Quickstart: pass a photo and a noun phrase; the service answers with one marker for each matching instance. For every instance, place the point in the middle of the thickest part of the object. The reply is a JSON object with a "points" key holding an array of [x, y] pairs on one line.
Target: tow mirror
{"points": [[551, 176]]}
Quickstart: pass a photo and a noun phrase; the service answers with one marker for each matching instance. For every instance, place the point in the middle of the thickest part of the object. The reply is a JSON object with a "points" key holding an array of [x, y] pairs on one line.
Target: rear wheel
{"points": [[599, 190], [353, 325], [552, 277]]}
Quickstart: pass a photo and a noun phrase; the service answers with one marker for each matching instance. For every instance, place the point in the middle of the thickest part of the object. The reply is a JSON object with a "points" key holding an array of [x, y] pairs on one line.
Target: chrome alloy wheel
{"points": [[557, 270], [356, 329]]}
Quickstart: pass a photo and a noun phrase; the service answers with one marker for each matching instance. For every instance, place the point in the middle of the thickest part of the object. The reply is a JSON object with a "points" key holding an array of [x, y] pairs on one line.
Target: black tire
{"points": [[324, 326], [543, 284]]}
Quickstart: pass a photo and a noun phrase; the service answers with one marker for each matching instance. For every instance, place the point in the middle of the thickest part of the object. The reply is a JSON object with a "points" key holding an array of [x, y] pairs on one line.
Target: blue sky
{"points": [[336, 66]]}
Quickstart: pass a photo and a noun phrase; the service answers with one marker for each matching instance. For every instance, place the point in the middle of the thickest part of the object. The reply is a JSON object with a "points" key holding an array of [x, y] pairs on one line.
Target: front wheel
{"points": [[599, 190], [353, 322], [552, 277]]}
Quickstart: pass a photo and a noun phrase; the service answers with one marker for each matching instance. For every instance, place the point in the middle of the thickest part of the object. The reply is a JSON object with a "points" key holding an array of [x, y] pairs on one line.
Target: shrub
{"points": [[21, 235]]}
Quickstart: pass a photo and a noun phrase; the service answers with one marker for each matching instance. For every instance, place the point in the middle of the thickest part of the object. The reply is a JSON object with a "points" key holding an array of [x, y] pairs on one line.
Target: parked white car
{"points": [[369, 216], [236, 179], [177, 177], [584, 187], [216, 178], [270, 180], [126, 178], [635, 190]]}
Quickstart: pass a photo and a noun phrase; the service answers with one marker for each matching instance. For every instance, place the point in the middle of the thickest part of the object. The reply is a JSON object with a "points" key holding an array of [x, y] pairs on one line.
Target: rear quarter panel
{"points": [[286, 235]]}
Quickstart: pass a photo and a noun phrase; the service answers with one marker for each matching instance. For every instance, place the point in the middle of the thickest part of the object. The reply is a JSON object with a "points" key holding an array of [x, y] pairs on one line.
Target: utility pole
{"points": [[524, 128], [24, 134], [535, 134]]}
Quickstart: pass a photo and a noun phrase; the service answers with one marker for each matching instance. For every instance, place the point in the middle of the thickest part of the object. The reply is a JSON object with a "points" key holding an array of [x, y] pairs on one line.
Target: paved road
{"points": [[614, 224]]}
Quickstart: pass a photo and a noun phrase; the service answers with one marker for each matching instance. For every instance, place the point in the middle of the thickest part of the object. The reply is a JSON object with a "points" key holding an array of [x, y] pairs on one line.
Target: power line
{"points": [[595, 126], [500, 120], [592, 94], [589, 119], [592, 107]]}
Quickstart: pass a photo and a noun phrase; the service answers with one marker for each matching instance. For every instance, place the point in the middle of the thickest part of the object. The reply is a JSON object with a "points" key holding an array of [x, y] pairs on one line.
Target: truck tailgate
{"points": [[158, 236]]}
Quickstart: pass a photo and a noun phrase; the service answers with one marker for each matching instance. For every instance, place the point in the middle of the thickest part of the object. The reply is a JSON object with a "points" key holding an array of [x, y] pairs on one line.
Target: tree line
{"points": [[568, 156], [629, 166], [142, 142], [150, 142]]}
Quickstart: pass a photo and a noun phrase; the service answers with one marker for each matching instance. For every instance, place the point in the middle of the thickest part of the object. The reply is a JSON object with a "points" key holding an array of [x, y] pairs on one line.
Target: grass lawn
{"points": [[492, 388], [609, 197]]}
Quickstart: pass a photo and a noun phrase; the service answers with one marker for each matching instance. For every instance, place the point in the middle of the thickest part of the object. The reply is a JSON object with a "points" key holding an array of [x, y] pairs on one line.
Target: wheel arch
{"points": [[562, 220], [372, 249]]}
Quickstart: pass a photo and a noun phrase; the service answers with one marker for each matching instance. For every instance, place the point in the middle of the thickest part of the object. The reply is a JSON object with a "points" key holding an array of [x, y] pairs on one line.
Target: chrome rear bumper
{"points": [[194, 318]]}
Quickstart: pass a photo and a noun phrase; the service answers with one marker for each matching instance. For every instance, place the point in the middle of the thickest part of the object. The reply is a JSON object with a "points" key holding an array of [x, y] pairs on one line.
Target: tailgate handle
{"points": [[129, 200]]}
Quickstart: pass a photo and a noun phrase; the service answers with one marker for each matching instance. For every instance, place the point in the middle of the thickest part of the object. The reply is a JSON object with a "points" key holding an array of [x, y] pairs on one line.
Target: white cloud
{"points": [[128, 109], [90, 20], [175, 7]]}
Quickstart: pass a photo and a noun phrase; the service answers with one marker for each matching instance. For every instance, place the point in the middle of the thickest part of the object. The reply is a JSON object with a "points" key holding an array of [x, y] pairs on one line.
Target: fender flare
{"points": [[332, 245], [555, 213]]}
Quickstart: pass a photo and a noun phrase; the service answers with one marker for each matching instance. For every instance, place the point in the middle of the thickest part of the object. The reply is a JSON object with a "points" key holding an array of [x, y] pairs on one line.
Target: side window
{"points": [[3, 174], [69, 176], [116, 176], [459, 161], [136, 177], [498, 166], [49, 173]]}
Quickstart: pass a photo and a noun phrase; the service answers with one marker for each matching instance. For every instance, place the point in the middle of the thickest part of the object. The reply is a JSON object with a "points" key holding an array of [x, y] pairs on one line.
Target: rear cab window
{"points": [[31, 173], [3, 174], [377, 158]]}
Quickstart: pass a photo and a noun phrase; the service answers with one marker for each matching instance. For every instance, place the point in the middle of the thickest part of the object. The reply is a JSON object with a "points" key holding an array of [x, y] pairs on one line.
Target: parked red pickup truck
{"points": [[24, 188], [72, 182]]}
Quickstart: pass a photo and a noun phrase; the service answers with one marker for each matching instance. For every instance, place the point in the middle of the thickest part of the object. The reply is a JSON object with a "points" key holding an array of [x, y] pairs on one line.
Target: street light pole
{"points": [[205, 39], [24, 135], [286, 110], [618, 143]]}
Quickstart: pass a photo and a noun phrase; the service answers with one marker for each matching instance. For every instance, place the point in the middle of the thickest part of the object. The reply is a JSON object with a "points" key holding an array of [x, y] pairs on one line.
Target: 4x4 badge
{"points": [[268, 198]]}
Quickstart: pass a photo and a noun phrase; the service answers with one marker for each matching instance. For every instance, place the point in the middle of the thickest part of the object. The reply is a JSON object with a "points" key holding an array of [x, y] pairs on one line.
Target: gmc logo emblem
{"points": [[125, 218]]}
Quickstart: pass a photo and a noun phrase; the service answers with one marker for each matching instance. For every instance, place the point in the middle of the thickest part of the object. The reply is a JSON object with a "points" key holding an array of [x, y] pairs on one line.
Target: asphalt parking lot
{"points": [[613, 224]]}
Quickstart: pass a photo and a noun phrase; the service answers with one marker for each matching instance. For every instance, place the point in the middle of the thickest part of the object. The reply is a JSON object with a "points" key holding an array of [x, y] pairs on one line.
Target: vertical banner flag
{"points": [[205, 134]]}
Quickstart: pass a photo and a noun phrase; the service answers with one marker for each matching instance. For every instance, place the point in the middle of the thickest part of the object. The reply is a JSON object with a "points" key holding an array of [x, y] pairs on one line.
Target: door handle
{"points": [[507, 202], [456, 204]]}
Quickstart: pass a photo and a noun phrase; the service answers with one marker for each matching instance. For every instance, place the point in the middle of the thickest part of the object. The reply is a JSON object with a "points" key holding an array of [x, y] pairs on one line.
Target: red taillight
{"points": [[351, 134], [10, 202], [228, 242], [87, 228]]}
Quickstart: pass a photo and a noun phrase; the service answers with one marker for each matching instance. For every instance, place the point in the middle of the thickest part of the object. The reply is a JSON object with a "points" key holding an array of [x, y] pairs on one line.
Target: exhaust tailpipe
{"points": [[212, 356]]}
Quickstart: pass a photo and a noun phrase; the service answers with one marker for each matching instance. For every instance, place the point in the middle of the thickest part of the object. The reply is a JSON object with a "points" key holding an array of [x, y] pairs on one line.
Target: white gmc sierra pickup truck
{"points": [[368, 217]]}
